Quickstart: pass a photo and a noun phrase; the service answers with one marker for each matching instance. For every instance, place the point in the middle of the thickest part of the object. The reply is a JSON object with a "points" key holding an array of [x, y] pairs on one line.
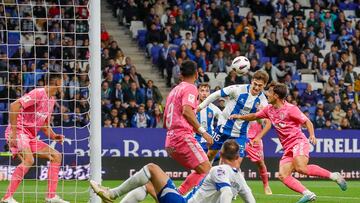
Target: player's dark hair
{"points": [[281, 90], [261, 75], [271, 84], [52, 77], [204, 85], [230, 150], [188, 68]]}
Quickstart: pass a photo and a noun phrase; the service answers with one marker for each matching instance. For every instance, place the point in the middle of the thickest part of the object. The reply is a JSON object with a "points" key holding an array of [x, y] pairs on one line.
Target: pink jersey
{"points": [[287, 121], [183, 94], [254, 129], [36, 108]]}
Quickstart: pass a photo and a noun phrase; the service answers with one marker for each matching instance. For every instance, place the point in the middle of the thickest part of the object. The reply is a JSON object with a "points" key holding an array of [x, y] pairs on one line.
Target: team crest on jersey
{"points": [[191, 98], [210, 115], [203, 124], [241, 100]]}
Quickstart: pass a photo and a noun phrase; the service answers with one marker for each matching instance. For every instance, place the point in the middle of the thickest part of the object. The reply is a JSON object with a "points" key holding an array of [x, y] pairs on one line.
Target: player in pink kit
{"points": [[28, 115], [288, 120], [255, 152], [180, 122]]}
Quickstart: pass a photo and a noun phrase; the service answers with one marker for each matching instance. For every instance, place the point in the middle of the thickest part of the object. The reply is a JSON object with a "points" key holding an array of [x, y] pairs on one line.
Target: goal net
{"points": [[38, 37]]}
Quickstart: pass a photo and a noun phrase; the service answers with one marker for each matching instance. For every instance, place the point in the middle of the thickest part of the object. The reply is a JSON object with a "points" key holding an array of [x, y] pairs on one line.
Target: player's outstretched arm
{"points": [[246, 117], [310, 128], [263, 132], [210, 99], [189, 115], [226, 195]]}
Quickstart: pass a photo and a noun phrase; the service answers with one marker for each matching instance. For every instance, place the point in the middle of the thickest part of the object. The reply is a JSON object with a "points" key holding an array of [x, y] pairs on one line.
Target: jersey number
{"points": [[169, 115], [216, 137]]}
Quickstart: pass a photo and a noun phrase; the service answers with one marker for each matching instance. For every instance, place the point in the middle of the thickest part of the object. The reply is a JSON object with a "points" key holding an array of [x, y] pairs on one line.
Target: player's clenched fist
{"points": [[208, 139]]}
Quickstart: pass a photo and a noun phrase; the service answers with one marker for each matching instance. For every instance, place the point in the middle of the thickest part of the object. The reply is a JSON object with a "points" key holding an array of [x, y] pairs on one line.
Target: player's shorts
{"points": [[186, 150], [254, 153], [220, 138], [169, 194], [25, 139], [302, 147], [202, 144]]}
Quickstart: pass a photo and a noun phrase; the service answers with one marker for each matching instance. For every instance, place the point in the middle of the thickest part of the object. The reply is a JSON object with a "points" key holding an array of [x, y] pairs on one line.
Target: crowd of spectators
{"points": [[37, 37], [324, 42], [127, 99]]}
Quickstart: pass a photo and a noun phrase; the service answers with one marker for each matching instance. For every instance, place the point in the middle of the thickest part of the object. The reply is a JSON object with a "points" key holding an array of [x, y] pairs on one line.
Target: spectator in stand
{"points": [[114, 48], [158, 118], [344, 124], [353, 119], [176, 72], [272, 48], [243, 45], [171, 62], [201, 40], [337, 114], [105, 90], [282, 6], [320, 120], [118, 93], [331, 126], [104, 33], [202, 77], [232, 79], [124, 119], [252, 53], [309, 96], [136, 77], [107, 123], [153, 92], [133, 93], [153, 38], [141, 119], [352, 55], [328, 18], [199, 59], [219, 64], [244, 28], [350, 75]]}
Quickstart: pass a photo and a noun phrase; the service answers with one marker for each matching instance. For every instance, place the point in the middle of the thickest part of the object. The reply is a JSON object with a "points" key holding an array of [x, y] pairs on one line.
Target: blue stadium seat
{"points": [[264, 60], [177, 41], [333, 37], [13, 38], [3, 107], [155, 54], [142, 38], [274, 60], [301, 86]]}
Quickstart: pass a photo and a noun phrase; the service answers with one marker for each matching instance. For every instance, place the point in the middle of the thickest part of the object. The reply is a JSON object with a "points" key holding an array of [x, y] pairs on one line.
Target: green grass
{"points": [[327, 192]]}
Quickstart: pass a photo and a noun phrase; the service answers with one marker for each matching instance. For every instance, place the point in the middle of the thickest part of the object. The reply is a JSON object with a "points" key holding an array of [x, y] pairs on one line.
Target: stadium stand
{"points": [[312, 46]]}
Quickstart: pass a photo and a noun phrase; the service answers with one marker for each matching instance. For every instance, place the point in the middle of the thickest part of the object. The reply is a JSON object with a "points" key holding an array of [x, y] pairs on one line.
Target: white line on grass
{"points": [[327, 197]]}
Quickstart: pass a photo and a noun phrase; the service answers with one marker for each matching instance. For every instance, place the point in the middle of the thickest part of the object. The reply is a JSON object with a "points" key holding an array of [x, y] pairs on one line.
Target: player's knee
{"points": [[56, 157], [28, 161], [152, 167], [204, 167], [301, 169], [282, 176]]}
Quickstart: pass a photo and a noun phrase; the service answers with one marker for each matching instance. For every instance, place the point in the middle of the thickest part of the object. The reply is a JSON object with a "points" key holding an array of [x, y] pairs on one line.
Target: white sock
{"points": [[306, 192], [140, 178], [135, 196], [334, 176]]}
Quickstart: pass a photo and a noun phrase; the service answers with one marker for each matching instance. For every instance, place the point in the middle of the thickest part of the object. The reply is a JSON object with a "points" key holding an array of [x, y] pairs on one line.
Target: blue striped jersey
{"points": [[206, 119], [241, 101]]}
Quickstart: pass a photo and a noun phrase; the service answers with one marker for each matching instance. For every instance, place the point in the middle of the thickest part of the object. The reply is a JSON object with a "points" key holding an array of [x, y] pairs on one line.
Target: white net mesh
{"points": [[37, 38]]}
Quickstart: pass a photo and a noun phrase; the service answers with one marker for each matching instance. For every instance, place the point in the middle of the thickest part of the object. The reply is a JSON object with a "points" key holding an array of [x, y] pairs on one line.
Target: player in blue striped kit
{"points": [[207, 115], [243, 99]]}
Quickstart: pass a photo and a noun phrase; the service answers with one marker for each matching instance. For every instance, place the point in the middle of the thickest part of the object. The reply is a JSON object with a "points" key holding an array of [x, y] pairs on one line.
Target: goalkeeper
{"points": [[28, 115]]}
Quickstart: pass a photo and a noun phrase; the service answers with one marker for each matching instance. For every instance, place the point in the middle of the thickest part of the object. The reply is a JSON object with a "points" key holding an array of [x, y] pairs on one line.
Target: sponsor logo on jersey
{"points": [[191, 98]]}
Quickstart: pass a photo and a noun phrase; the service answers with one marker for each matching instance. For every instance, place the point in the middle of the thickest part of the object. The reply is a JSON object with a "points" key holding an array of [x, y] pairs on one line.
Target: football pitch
{"points": [[327, 192]]}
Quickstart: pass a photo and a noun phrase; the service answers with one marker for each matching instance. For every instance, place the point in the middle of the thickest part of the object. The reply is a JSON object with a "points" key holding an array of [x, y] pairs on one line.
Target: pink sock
{"points": [[264, 176], [53, 177], [315, 170], [294, 184], [192, 180], [16, 179]]}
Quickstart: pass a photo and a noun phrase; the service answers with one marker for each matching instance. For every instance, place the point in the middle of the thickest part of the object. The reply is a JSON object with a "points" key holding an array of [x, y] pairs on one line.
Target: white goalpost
{"points": [[95, 92], [38, 37]]}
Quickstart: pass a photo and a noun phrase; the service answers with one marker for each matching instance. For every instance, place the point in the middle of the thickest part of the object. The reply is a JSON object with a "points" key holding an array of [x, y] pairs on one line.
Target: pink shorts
{"points": [[185, 150], [302, 147], [25, 139], [255, 153]]}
